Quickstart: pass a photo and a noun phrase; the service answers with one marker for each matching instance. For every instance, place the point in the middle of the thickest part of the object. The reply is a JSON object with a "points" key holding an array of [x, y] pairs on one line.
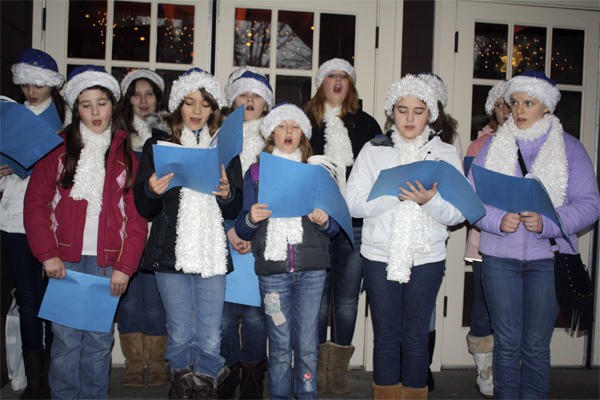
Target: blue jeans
{"points": [[194, 308], [401, 314], [80, 363], [253, 348], [342, 288], [141, 308], [26, 272], [523, 307], [291, 303], [481, 325]]}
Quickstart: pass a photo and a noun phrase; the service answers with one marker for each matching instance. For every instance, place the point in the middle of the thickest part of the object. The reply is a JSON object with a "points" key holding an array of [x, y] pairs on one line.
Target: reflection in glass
{"points": [[529, 49], [478, 116], [87, 29], [567, 56], [568, 110], [252, 38], [295, 39], [336, 38], [175, 36], [489, 51], [131, 31], [292, 89]]}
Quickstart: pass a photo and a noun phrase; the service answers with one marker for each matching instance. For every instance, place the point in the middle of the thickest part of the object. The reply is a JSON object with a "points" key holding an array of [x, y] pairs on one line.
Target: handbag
{"points": [[572, 282], [14, 353]]}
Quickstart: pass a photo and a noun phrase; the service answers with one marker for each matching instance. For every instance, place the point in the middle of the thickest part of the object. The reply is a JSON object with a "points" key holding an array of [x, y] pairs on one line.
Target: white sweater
{"points": [[377, 213]]}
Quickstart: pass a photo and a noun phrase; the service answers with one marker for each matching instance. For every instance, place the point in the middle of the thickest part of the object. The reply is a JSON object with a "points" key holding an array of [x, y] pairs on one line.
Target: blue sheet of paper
{"points": [[80, 301], [514, 194], [24, 138], [242, 283], [293, 189], [452, 185], [200, 169], [468, 161]]}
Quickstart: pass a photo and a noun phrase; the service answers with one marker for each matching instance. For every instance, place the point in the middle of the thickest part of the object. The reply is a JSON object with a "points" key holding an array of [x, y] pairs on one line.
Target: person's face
{"points": [[501, 110], [36, 95], [410, 117], [335, 86], [287, 136], [195, 111], [143, 99], [526, 109], [254, 105], [95, 110]]}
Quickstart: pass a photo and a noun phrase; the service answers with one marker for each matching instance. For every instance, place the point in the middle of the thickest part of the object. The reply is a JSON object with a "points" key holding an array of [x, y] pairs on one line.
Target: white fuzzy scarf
{"points": [[40, 108], [337, 142], [88, 182], [550, 165], [143, 132], [410, 224], [200, 247], [253, 144], [282, 232]]}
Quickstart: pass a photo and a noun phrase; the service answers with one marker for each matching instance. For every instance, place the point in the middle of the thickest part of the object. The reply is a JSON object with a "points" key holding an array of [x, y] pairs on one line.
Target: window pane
{"points": [[292, 89], [337, 37], [567, 56], [131, 31], [478, 116], [489, 51], [295, 40], [87, 29], [175, 42], [252, 38], [169, 76], [568, 110], [529, 49]]}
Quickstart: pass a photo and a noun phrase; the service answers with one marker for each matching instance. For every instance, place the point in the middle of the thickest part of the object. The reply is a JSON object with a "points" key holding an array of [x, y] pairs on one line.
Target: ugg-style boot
{"points": [[205, 387], [408, 393], [322, 367], [253, 376], [226, 390], [391, 392], [154, 357], [183, 384], [482, 349], [430, 349], [34, 369], [337, 374], [132, 345]]}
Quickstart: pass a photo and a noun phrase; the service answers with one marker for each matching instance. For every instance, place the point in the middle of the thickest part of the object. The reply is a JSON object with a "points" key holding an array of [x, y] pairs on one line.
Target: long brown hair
{"points": [[214, 121], [74, 143], [126, 109], [445, 126], [315, 107], [304, 146]]}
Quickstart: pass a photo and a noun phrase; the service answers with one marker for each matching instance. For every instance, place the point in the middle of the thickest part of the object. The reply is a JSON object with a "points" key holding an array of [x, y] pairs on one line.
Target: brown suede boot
{"points": [[154, 354], [408, 393], [322, 367], [337, 374], [391, 392], [132, 345]]}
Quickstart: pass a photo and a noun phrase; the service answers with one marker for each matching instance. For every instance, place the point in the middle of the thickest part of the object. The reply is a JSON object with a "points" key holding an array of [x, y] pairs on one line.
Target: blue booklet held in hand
{"points": [[452, 185]]}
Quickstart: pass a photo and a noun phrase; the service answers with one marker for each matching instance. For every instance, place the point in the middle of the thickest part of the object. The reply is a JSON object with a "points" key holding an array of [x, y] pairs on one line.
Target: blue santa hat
{"points": [[87, 76], [142, 74], [35, 67], [192, 80], [285, 112], [536, 84], [253, 81]]}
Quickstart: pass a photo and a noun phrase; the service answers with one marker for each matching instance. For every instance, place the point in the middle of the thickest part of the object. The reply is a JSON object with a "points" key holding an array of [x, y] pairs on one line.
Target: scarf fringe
{"points": [[337, 141], [253, 144]]}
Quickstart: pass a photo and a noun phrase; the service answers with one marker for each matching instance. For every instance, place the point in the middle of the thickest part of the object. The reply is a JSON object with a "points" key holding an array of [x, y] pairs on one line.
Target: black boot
{"points": [[226, 390], [252, 384], [431, 347], [205, 387], [182, 384], [34, 369]]}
